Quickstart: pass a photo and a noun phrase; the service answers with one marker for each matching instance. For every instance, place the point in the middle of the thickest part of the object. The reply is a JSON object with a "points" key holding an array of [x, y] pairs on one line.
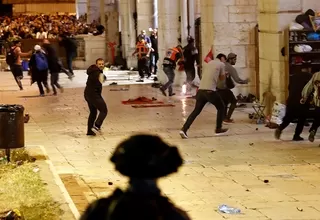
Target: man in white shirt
{"points": [[211, 74]]}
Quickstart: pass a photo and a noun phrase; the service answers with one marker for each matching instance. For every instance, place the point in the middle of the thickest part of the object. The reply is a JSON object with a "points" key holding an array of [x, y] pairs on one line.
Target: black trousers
{"points": [[202, 98], [17, 73], [316, 121], [191, 74], [154, 57], [228, 98], [44, 83], [96, 104], [143, 67], [295, 111], [54, 82]]}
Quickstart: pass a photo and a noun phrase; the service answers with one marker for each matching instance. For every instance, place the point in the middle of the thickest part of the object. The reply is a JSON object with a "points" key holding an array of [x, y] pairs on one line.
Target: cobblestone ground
{"points": [[218, 170]]}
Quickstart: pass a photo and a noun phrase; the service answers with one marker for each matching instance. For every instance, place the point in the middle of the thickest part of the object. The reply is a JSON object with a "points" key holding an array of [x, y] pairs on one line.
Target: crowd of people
{"points": [[44, 26]]}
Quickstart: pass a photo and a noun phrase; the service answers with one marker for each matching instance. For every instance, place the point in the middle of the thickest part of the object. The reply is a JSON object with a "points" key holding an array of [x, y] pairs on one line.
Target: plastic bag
{"points": [[278, 112]]}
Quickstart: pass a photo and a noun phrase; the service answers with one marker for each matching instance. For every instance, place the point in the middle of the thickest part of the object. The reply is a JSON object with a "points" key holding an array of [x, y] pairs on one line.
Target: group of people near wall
{"points": [[43, 59], [44, 26]]}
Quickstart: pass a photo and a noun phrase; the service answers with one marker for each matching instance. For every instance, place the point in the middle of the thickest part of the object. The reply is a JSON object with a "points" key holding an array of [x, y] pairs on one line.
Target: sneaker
{"points": [[172, 94], [41, 95], [55, 94], [163, 91], [221, 131], [228, 121], [140, 80], [297, 138], [97, 128], [277, 134], [311, 136], [47, 90], [183, 134], [91, 133]]}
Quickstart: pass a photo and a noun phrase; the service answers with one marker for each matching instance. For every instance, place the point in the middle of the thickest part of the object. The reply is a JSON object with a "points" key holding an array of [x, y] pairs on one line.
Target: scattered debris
{"points": [[247, 190], [110, 183], [266, 181], [113, 84], [19, 163], [251, 144], [300, 210], [120, 89], [36, 170], [212, 151], [228, 210], [257, 129]]}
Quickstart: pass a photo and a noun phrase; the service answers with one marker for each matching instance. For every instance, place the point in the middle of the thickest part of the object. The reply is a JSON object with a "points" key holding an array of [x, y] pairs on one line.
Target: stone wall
{"points": [[95, 47], [43, 8], [111, 33], [274, 18], [229, 26]]}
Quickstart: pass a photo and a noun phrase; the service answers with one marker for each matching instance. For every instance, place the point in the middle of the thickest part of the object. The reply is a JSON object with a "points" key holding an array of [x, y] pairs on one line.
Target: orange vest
{"points": [[142, 49], [171, 54]]}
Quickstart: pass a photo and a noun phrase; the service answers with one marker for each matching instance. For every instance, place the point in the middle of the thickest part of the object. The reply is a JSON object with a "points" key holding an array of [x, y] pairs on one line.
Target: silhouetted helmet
{"points": [[190, 39], [146, 157]]}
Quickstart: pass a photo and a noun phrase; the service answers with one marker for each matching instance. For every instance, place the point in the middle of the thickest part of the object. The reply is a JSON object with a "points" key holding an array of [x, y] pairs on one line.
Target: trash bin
{"points": [[11, 126]]}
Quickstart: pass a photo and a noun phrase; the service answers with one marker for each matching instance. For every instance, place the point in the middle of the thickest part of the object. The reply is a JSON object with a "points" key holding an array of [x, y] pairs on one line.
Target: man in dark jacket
{"points": [[294, 109], [92, 95], [191, 55], [70, 47], [54, 66], [154, 56]]}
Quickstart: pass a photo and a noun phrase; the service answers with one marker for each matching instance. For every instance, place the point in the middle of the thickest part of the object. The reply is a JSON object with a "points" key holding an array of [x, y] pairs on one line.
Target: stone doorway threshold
{"points": [[54, 183]]}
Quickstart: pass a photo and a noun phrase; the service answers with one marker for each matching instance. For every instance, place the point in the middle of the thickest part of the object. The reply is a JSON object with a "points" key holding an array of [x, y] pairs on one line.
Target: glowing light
{"points": [[184, 89]]}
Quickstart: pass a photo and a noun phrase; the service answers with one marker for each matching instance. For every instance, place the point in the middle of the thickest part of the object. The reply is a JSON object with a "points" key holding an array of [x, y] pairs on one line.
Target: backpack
{"points": [[229, 82], [11, 56], [41, 61]]}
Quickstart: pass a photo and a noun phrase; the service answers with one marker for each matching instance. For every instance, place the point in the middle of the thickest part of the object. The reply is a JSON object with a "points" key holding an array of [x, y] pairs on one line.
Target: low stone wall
{"points": [[94, 47]]}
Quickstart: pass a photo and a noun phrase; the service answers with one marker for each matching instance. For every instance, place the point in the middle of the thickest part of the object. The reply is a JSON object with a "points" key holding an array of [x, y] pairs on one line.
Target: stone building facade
{"points": [[228, 26]]}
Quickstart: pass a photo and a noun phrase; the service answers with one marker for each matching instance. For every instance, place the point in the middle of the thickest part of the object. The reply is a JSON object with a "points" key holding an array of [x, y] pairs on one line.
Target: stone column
{"points": [[168, 30], [93, 10], [273, 20], [128, 32], [145, 15], [184, 21], [197, 8], [107, 6], [124, 18], [191, 11], [228, 26], [81, 7]]}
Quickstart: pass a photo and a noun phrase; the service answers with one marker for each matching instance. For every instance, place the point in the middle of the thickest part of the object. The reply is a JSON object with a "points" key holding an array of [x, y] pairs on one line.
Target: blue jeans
{"points": [[169, 71]]}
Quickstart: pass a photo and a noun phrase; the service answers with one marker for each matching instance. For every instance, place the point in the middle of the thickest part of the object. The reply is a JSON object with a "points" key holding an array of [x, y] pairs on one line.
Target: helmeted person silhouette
{"points": [[144, 159]]}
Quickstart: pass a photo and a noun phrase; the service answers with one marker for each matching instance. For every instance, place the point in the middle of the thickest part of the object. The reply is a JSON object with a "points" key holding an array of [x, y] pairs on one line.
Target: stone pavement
{"points": [[218, 170]]}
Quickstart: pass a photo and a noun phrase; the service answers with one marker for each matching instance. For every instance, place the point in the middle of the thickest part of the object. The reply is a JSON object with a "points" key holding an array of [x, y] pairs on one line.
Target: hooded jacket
{"points": [[94, 86]]}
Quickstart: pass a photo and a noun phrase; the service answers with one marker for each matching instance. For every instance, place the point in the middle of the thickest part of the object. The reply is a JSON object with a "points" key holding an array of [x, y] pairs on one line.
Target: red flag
{"points": [[209, 56]]}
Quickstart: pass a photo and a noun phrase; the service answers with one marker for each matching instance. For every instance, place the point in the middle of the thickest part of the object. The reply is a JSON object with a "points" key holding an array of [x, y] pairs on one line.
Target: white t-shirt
{"points": [[210, 74]]}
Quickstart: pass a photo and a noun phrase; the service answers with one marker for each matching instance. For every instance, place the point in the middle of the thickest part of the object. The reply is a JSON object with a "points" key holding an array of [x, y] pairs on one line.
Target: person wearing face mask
{"points": [[92, 95]]}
